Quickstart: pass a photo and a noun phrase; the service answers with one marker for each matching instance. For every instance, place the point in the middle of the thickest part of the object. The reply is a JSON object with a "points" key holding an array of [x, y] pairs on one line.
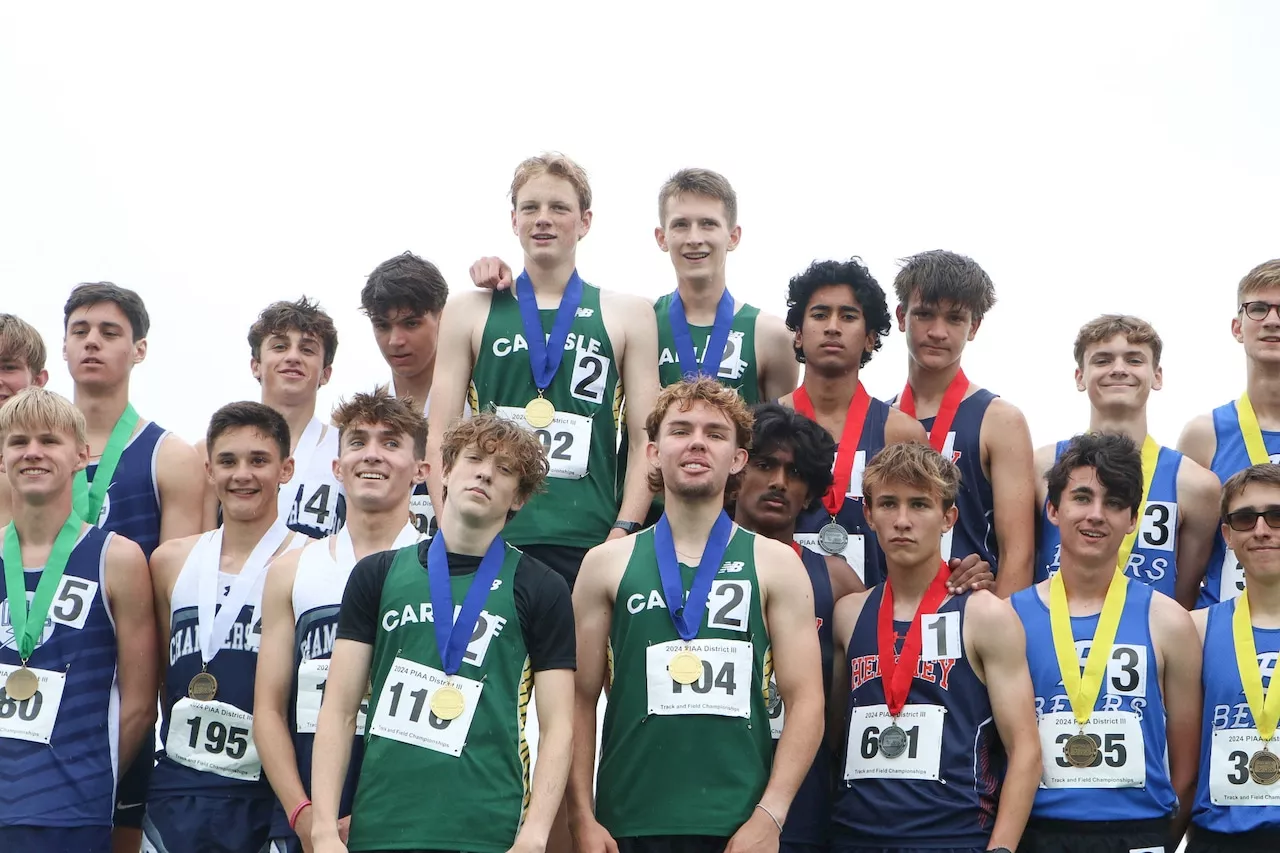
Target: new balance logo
{"points": [[735, 566], [586, 312]]}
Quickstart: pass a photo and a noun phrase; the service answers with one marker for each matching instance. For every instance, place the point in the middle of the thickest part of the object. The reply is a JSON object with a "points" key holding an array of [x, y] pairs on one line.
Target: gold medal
{"points": [[685, 667], [21, 684], [1080, 750], [1264, 767], [447, 703], [202, 687], [539, 413]]}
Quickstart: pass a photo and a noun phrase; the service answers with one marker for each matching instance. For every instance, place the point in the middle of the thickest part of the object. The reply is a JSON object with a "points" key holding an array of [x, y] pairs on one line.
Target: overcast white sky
{"points": [[1093, 157]]}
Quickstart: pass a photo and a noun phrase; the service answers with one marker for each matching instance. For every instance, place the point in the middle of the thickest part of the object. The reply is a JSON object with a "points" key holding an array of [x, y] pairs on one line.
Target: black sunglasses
{"points": [[1247, 519]]}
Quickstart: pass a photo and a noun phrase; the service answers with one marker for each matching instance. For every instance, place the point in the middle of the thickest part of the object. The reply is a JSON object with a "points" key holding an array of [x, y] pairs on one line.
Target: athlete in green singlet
{"points": [[608, 350], [685, 762], [446, 766]]}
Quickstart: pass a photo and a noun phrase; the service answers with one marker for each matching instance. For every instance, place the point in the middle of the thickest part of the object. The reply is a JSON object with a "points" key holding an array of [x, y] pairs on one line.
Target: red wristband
{"points": [[297, 810]]}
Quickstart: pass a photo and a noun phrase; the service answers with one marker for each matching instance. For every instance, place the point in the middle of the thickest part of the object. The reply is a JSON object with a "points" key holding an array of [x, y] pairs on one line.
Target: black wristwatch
{"points": [[628, 527]]}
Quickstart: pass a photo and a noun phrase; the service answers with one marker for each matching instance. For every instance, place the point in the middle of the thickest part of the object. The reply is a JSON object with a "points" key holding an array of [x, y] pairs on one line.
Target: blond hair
{"points": [[559, 166], [916, 465], [1261, 277], [19, 341], [39, 408]]}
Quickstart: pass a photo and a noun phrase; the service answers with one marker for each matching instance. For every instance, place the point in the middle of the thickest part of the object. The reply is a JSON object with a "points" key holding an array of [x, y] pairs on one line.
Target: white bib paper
{"points": [[404, 708], [213, 737], [312, 675], [1122, 756], [853, 553], [723, 689], [32, 719], [1231, 583], [923, 756], [566, 440], [1229, 781]]}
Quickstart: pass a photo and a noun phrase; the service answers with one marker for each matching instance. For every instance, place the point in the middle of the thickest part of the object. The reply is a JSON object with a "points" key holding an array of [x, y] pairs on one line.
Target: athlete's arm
{"points": [[129, 595], [993, 634], [166, 564], [335, 732], [180, 476], [843, 619], [553, 694], [1006, 444], [592, 616], [1198, 440], [899, 427], [787, 599], [844, 580], [1200, 618], [1178, 647], [455, 359], [776, 366], [639, 373], [272, 685], [1198, 506], [209, 499]]}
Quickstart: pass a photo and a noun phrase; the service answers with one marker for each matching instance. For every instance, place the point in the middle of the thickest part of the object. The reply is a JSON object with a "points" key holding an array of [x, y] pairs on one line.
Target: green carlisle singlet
{"points": [[580, 503], [420, 787], [685, 759], [737, 368]]}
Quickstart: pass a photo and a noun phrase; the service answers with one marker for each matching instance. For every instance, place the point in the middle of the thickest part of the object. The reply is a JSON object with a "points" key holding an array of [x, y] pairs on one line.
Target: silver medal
{"points": [[833, 538], [893, 741]]}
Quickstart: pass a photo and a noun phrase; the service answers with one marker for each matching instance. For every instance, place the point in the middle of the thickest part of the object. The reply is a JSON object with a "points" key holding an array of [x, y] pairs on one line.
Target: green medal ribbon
{"points": [[87, 499], [28, 624]]}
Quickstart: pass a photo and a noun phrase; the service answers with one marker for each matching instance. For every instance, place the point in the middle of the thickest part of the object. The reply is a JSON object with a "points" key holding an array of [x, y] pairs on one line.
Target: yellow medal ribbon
{"points": [[1266, 711], [1251, 432], [1150, 456], [1082, 689]]}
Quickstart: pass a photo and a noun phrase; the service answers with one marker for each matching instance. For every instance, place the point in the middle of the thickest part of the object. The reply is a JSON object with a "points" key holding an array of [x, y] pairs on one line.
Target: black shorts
{"points": [[131, 793], [564, 560], [1259, 841], [673, 844], [1097, 836]]}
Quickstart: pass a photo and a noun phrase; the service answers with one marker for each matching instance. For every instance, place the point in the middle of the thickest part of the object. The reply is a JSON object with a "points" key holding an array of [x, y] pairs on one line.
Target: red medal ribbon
{"points": [[951, 400], [896, 673], [798, 548], [849, 439]]}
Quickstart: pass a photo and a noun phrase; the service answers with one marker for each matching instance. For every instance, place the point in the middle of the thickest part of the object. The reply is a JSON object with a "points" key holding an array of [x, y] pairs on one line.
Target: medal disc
{"points": [[833, 538], [447, 703], [1264, 767], [893, 741], [203, 687], [685, 667], [21, 685], [1080, 751], [539, 413]]}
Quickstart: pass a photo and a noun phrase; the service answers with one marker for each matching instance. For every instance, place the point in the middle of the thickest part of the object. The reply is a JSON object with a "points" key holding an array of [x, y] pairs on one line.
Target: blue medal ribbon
{"points": [[545, 351], [686, 615], [452, 636], [690, 367]]}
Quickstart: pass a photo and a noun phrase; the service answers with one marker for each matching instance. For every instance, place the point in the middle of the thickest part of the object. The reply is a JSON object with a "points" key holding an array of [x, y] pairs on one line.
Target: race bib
{"points": [[1159, 523], [72, 601], [1231, 584], [32, 719], [922, 757], [723, 689], [213, 737], [312, 675], [404, 708], [566, 441], [1230, 783], [424, 515], [854, 553], [1121, 761]]}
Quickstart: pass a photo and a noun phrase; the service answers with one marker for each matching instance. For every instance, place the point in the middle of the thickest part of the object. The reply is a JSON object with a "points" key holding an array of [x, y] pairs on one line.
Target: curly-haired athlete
{"points": [[445, 765]]}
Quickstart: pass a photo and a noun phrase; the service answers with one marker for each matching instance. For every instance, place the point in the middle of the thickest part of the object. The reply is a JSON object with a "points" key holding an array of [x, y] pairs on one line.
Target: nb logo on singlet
{"points": [[585, 312]]}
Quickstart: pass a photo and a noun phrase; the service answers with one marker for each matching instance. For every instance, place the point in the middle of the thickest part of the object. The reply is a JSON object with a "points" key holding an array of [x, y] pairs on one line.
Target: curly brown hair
{"points": [[682, 395], [496, 435], [304, 316], [383, 407]]}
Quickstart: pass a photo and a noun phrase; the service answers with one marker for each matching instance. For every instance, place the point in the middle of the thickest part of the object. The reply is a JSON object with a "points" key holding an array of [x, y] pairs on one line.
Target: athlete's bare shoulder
{"points": [[1045, 456], [631, 324], [901, 427], [1197, 484], [1198, 440], [1170, 621], [775, 356], [847, 611], [602, 568], [1200, 618], [777, 565], [1002, 417], [168, 559]]}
